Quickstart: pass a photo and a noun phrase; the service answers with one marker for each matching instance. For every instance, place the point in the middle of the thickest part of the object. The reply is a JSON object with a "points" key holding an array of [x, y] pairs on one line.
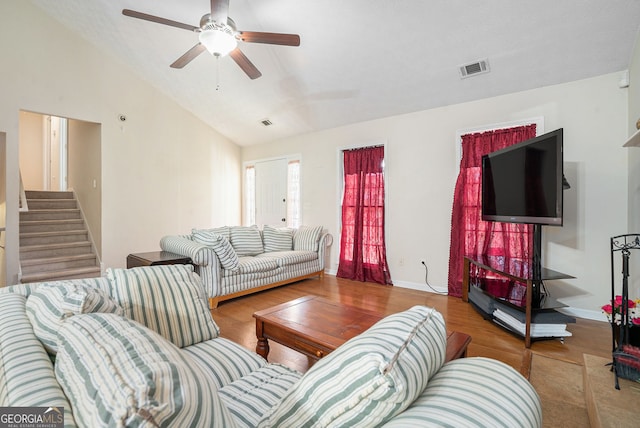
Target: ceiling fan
{"points": [[217, 34]]}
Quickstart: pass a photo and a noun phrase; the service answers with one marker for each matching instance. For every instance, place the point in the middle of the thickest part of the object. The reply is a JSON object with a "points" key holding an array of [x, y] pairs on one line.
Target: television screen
{"points": [[523, 183]]}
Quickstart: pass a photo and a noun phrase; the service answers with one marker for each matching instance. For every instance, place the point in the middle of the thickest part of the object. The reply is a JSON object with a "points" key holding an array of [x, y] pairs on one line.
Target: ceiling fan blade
{"points": [[244, 63], [157, 19], [188, 56], [220, 10], [270, 38]]}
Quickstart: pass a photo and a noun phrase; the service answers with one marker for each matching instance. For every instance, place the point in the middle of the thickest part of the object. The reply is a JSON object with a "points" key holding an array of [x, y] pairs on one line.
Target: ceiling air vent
{"points": [[266, 122], [478, 67]]}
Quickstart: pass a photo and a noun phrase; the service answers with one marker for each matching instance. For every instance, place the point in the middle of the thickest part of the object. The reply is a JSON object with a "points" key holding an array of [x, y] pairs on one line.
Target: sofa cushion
{"points": [[254, 265], [168, 299], [213, 357], [307, 238], [220, 245], [117, 372], [474, 392], [277, 238], [369, 379], [251, 396], [288, 258], [51, 303], [246, 240]]}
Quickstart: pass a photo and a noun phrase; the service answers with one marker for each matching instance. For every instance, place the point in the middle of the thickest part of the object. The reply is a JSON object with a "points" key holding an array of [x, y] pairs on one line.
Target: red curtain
{"points": [[470, 236], [362, 247]]}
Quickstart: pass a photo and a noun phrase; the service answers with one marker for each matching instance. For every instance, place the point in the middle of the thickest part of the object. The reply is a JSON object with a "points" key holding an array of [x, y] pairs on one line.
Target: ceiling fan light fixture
{"points": [[217, 34], [219, 39]]}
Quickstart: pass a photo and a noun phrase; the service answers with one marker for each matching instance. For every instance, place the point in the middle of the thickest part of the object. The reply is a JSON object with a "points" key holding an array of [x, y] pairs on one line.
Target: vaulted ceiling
{"points": [[358, 59]]}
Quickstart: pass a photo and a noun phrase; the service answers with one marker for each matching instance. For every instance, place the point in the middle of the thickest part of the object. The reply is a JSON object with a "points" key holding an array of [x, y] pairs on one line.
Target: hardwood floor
{"points": [[237, 323]]}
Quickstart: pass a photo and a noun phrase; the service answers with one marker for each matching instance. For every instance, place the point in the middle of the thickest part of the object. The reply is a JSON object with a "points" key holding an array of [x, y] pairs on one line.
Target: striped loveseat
{"points": [[235, 261], [139, 348]]}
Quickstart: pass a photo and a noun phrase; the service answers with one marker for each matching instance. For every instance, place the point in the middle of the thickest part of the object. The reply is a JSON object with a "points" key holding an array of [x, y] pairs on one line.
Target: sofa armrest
{"points": [[27, 375], [326, 239], [205, 260], [183, 245], [490, 390]]}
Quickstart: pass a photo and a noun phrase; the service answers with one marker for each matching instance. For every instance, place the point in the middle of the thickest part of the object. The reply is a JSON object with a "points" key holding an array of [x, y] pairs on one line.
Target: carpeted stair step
{"points": [[57, 237], [86, 272], [54, 250], [54, 239], [48, 204], [50, 225], [65, 214], [59, 263], [48, 194]]}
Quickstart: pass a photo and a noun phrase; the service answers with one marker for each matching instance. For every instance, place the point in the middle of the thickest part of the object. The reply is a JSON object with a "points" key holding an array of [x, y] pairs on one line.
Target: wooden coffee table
{"points": [[315, 326]]}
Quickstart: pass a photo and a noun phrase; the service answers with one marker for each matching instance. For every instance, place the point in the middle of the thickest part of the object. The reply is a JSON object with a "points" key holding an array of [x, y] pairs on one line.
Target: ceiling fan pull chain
{"points": [[217, 72]]}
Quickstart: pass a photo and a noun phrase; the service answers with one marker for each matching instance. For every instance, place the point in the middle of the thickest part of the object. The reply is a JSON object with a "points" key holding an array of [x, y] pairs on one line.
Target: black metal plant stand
{"points": [[623, 244]]}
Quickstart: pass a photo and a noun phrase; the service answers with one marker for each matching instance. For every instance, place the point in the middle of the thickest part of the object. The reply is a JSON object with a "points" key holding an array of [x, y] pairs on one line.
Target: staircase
{"points": [[54, 240]]}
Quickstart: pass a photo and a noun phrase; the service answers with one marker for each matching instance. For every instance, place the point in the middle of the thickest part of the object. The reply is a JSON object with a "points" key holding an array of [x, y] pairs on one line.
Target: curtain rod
{"points": [[363, 148]]}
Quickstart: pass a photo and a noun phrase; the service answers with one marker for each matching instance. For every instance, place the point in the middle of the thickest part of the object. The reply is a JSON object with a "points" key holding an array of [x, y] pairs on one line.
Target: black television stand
{"points": [[521, 272], [536, 284]]}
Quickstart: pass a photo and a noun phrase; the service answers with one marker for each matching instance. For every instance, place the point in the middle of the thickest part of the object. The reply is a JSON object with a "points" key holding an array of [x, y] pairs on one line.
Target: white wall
{"points": [[84, 174], [163, 170], [32, 150], [421, 167]]}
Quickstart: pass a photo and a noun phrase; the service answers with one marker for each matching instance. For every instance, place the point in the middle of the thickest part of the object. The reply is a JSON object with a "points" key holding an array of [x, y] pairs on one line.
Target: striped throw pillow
{"points": [[246, 240], [117, 372], [51, 303], [168, 299], [220, 245], [277, 238], [306, 238], [369, 379], [224, 231]]}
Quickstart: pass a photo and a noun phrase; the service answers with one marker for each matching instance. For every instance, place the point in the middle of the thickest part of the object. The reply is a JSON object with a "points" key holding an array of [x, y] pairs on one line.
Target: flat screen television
{"points": [[523, 182]]}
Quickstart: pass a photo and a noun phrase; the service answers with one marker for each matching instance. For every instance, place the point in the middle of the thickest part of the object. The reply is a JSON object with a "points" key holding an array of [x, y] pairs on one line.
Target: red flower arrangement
{"points": [[613, 310]]}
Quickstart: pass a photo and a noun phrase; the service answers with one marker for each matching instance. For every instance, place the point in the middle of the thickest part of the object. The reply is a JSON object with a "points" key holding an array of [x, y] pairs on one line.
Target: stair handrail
{"points": [[22, 207], [22, 203]]}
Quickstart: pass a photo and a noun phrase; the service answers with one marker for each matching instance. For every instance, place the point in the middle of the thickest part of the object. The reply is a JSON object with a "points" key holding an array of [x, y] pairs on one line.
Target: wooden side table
{"points": [[156, 258]]}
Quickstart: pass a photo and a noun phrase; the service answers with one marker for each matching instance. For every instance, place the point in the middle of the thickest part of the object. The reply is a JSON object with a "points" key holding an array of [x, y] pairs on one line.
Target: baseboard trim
{"points": [[406, 284], [421, 287], [583, 313]]}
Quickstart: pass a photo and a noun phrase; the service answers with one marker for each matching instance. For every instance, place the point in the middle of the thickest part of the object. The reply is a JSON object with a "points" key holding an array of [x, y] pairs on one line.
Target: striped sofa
{"points": [[234, 261], [139, 348]]}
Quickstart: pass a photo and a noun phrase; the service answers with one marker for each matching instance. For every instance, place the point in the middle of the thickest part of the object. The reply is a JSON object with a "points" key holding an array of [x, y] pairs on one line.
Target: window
{"points": [[250, 195], [470, 236], [293, 194], [292, 197], [362, 245]]}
